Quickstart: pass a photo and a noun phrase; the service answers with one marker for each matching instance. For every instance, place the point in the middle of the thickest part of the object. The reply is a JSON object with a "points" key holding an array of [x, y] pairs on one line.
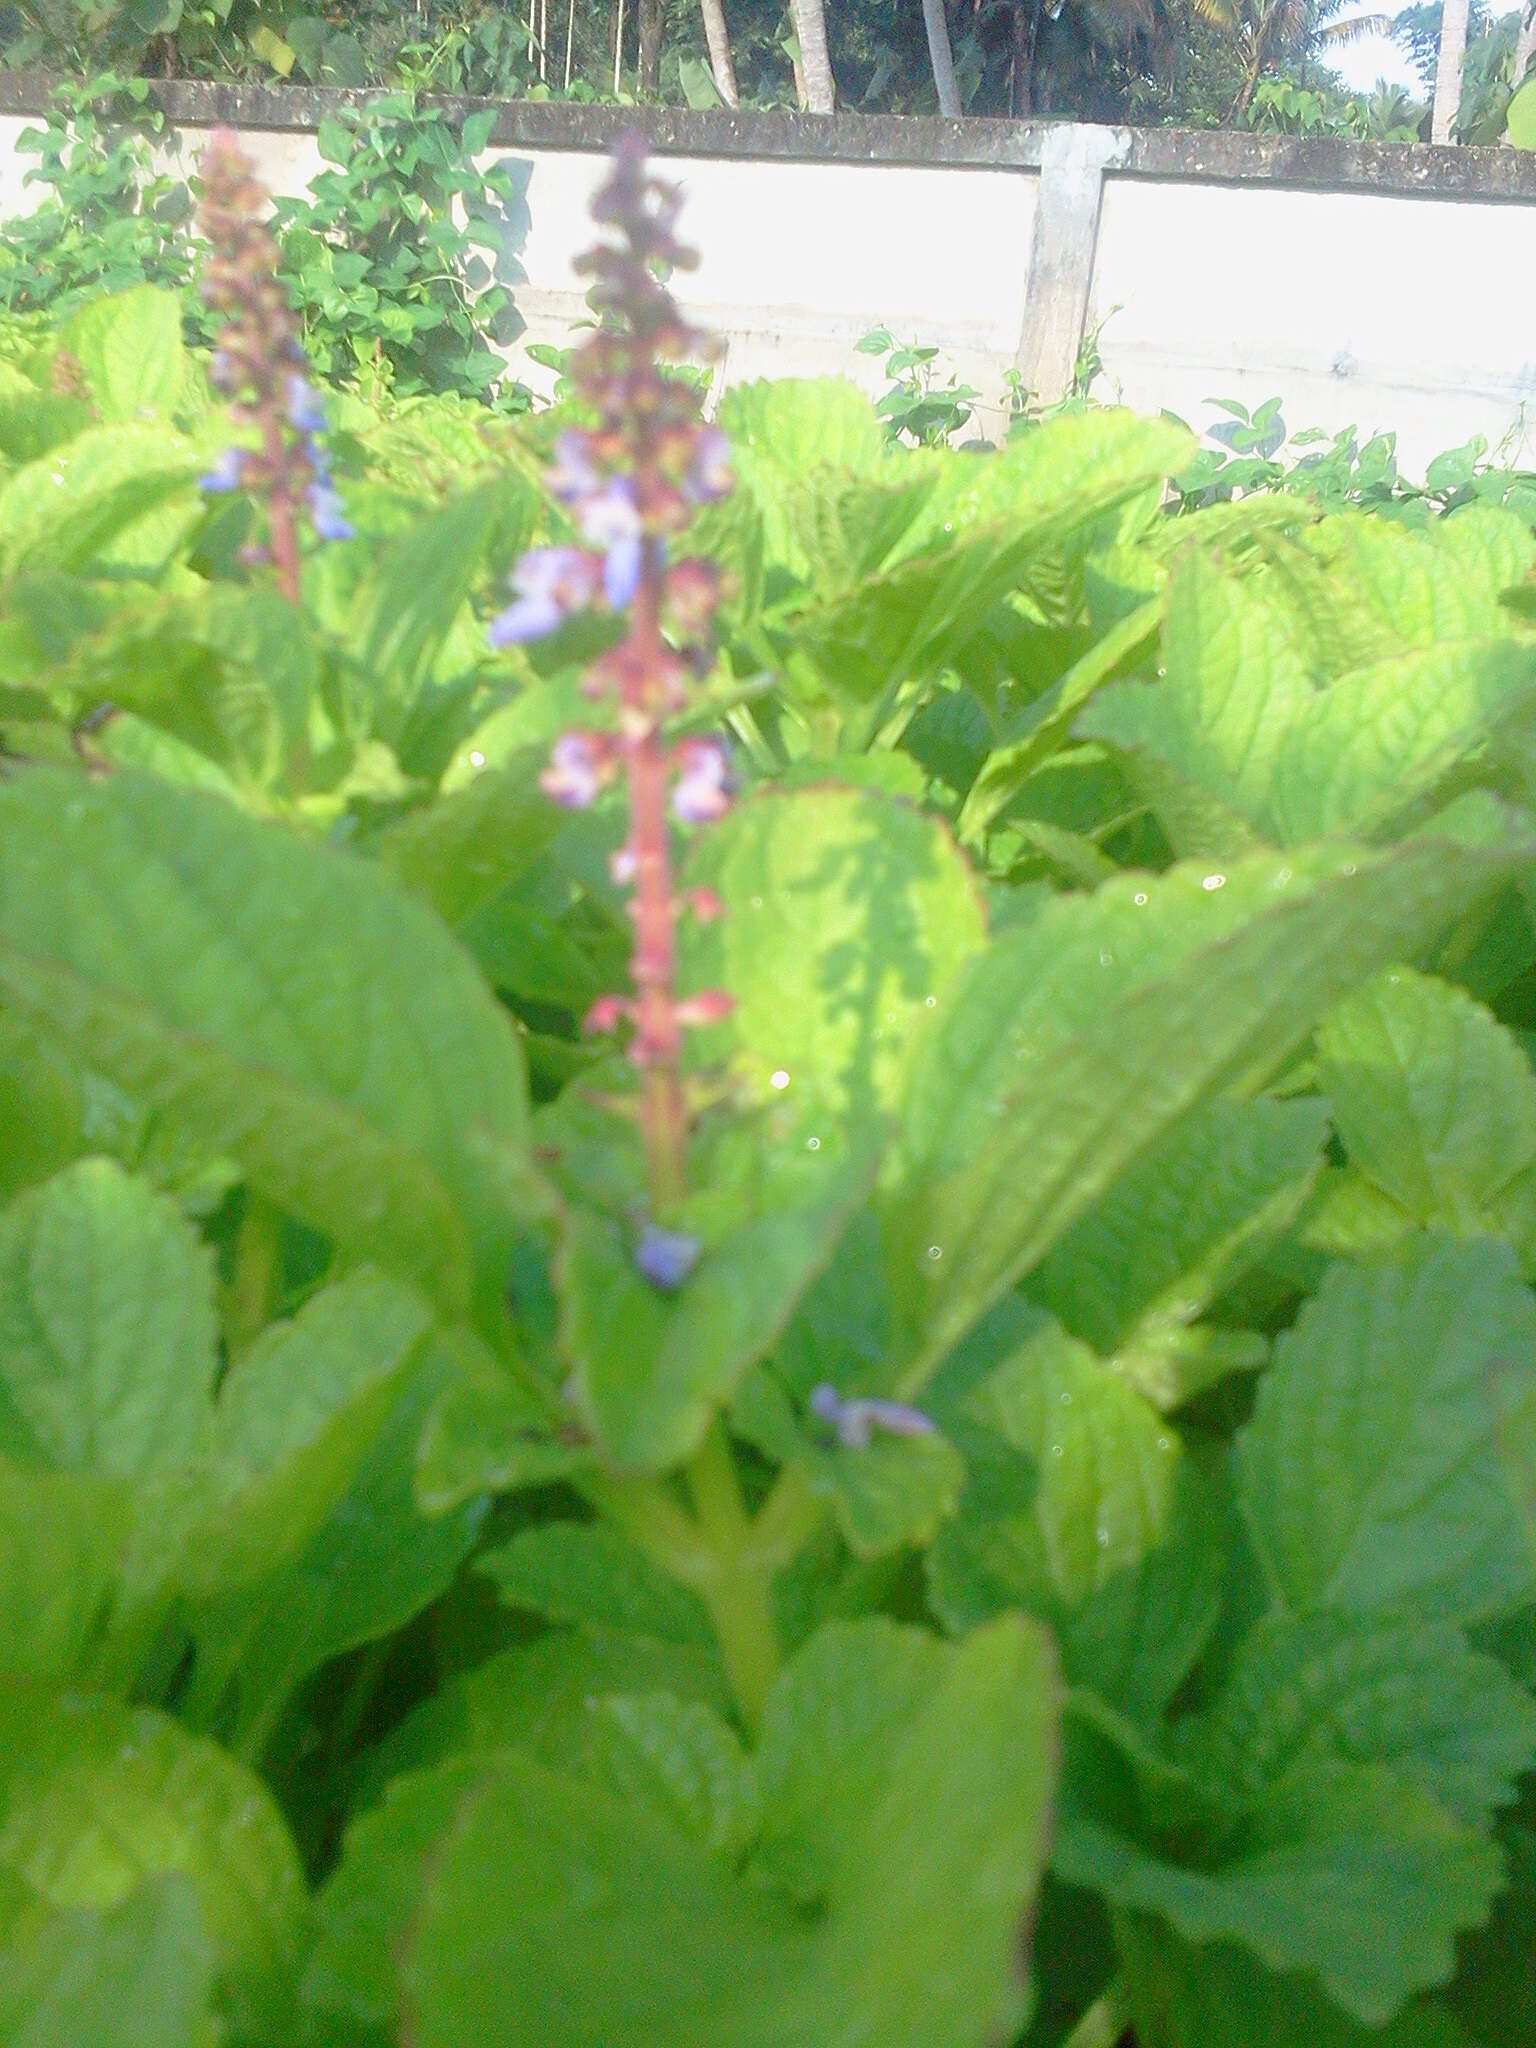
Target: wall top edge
{"points": [[1207, 155]]}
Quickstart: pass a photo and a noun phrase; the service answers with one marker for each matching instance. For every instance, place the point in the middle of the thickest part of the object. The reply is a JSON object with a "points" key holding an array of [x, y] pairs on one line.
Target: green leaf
{"points": [[784, 431], [1436, 1104], [1096, 1471], [459, 853], [1075, 1042], [589, 1574], [1370, 1473], [1327, 1687], [1235, 681], [1176, 1230], [1520, 118], [121, 495], [556, 1912], [850, 914], [131, 353], [96, 1799], [1352, 1875], [62, 1540], [295, 1417], [193, 955], [370, 1565], [1217, 1996], [107, 1335], [135, 1972]]}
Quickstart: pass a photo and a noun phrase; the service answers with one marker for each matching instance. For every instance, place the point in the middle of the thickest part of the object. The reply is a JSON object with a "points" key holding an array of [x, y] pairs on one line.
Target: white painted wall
{"points": [[1375, 309], [1378, 311]]}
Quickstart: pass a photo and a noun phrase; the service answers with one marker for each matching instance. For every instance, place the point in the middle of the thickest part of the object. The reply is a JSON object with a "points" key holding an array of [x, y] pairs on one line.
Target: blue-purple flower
{"points": [[550, 584], [579, 766], [305, 411], [226, 473], [666, 1257], [702, 792], [708, 476], [327, 513], [856, 1422], [573, 475]]}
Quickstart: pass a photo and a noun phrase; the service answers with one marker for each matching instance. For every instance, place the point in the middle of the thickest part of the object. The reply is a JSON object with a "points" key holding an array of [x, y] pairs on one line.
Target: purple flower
{"points": [[610, 514], [304, 408], [709, 472], [577, 771], [572, 475], [550, 583], [327, 513], [666, 1257], [855, 1422], [622, 566], [226, 473], [223, 371], [702, 792]]}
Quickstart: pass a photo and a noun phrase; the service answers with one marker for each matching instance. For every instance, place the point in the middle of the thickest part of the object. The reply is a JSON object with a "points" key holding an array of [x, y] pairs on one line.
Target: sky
{"points": [[1361, 64]]}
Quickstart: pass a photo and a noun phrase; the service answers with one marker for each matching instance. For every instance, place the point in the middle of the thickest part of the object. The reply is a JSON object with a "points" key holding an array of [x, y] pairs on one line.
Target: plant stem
{"points": [[658, 1035], [1102, 2025], [254, 1282], [739, 1592]]}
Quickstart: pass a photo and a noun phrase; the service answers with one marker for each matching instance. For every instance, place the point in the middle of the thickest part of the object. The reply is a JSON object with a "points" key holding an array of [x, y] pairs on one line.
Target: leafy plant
{"points": [[917, 404], [380, 262], [107, 219], [968, 1480]]}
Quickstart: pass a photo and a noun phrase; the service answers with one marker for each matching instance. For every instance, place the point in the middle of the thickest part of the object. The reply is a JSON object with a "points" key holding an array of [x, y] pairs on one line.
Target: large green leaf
{"points": [[1436, 1104], [96, 1799], [1074, 1043], [1371, 1474], [130, 351], [1352, 1875], [107, 1335], [124, 495], [1174, 1231], [281, 1004], [557, 1912], [62, 1540], [849, 915], [295, 1417], [126, 1975], [1330, 1687], [789, 432], [1235, 681]]}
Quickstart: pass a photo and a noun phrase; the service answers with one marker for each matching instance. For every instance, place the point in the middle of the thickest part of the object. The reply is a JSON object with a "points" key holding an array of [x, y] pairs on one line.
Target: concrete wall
{"points": [[1366, 285]]}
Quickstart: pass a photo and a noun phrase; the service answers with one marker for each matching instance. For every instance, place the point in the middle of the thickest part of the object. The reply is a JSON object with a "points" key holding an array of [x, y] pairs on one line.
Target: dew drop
{"points": [[1141, 896], [1066, 1398], [1057, 1451], [1164, 1443], [757, 902], [930, 1002], [1102, 1534], [1106, 959], [813, 1144], [477, 759], [935, 1251], [1348, 868], [779, 1078], [1214, 882], [1282, 876]]}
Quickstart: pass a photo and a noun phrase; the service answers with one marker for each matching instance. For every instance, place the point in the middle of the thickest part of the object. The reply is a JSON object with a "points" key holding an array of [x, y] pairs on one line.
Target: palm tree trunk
{"points": [[650, 45], [1525, 44], [1453, 48], [1026, 38], [721, 63], [942, 58], [815, 63]]}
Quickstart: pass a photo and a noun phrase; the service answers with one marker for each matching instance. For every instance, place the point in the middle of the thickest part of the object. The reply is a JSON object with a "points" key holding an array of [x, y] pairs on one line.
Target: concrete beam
{"points": [[1060, 282]]}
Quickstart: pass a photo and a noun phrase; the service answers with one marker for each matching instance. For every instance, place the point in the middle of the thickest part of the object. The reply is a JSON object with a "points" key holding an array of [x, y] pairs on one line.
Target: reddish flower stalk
{"points": [[630, 483], [260, 364]]}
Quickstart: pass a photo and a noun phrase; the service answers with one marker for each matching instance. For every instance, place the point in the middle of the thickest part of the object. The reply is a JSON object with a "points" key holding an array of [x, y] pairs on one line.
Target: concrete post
{"points": [[1060, 282]]}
